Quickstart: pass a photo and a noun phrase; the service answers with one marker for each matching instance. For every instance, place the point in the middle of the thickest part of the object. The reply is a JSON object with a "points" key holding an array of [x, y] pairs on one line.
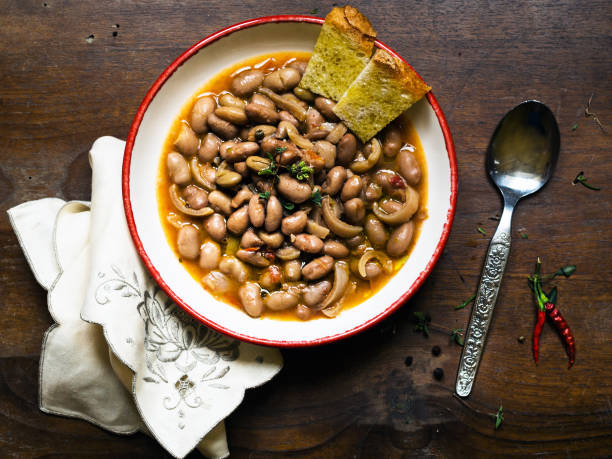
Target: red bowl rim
{"points": [[145, 258]]}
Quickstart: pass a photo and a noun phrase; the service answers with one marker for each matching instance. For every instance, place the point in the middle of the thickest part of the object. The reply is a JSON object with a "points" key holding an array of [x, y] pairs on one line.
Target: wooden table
{"points": [[357, 398]]}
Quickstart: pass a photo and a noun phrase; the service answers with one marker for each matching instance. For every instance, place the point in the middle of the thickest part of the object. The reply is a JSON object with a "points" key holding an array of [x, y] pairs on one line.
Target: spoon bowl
{"points": [[521, 158], [523, 151]]}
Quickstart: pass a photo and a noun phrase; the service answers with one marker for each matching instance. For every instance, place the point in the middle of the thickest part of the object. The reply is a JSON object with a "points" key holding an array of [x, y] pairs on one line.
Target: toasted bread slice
{"points": [[342, 51], [385, 88]]}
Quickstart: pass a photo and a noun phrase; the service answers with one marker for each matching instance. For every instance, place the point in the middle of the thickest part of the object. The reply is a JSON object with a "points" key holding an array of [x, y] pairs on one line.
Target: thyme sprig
{"points": [[580, 178], [466, 302]]}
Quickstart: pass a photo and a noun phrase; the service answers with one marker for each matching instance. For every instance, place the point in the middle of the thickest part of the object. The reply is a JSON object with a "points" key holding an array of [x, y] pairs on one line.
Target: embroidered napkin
{"points": [[121, 354]]}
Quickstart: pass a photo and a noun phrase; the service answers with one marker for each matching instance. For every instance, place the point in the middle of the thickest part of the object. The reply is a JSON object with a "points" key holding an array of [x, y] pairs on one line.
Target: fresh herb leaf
{"points": [[422, 324], [566, 271], [316, 197], [481, 231], [286, 204], [267, 171], [580, 178], [301, 170], [466, 302], [278, 150], [524, 236], [272, 169], [265, 195], [499, 417], [457, 335], [315, 10], [575, 126]]}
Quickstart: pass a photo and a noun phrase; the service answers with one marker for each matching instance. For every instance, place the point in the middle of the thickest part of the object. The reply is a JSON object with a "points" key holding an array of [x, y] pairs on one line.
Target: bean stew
{"points": [[274, 206]]}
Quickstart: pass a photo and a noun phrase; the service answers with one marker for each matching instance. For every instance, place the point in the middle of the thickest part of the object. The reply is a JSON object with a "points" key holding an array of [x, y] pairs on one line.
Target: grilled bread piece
{"points": [[384, 89], [342, 50]]}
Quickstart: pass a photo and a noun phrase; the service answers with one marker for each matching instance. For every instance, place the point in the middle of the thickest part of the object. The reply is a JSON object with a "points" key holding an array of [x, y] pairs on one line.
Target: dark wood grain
{"points": [[356, 398]]}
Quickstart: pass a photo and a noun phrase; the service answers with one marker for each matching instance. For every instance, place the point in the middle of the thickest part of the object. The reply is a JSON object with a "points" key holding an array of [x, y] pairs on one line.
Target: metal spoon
{"points": [[520, 159]]}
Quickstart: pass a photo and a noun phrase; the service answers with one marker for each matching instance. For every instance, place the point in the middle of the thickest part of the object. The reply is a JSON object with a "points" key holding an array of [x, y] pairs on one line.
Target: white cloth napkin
{"points": [[122, 355]]}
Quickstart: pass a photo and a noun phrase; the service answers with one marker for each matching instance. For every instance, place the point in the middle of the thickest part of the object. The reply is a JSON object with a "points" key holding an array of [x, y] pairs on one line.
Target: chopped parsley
{"points": [[265, 195], [301, 170]]}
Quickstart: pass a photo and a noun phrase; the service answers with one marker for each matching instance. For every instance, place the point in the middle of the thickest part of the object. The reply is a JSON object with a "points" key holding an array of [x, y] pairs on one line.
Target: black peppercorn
{"points": [[436, 351], [408, 361], [438, 374]]}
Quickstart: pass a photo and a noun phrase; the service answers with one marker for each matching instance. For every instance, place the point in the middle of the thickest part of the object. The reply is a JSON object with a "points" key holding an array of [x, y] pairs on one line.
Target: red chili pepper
{"points": [[546, 305], [563, 328], [537, 331], [541, 299]]}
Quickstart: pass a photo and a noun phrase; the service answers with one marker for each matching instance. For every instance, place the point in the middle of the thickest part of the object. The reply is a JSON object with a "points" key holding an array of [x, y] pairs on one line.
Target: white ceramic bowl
{"points": [[142, 154]]}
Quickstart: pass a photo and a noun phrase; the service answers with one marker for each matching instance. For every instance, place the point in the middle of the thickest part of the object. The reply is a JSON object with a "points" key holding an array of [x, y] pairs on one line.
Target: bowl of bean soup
{"points": [[260, 213]]}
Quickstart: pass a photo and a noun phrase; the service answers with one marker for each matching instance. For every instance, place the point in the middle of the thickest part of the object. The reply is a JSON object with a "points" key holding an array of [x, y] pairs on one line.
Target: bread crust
{"points": [[386, 87], [354, 25], [401, 73]]}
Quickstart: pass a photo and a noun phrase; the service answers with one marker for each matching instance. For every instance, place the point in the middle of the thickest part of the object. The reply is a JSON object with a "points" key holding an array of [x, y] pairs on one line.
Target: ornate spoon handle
{"points": [[482, 311]]}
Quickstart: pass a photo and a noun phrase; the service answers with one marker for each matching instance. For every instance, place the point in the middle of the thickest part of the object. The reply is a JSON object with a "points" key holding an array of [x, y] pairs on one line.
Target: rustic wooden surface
{"points": [[356, 398]]}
